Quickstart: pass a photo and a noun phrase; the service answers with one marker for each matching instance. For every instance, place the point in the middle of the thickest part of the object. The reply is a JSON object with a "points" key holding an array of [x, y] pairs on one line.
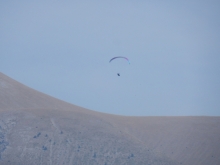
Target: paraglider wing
{"points": [[119, 57]]}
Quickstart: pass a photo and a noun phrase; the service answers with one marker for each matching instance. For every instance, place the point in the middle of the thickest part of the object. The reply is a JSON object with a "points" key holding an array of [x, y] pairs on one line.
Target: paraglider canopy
{"points": [[120, 57]]}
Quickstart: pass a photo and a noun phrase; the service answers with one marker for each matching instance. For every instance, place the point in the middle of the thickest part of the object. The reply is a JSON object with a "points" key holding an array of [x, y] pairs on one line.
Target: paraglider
{"points": [[125, 58]]}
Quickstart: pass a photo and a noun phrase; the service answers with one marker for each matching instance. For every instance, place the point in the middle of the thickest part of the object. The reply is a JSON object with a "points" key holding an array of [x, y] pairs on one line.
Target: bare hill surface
{"points": [[38, 129]]}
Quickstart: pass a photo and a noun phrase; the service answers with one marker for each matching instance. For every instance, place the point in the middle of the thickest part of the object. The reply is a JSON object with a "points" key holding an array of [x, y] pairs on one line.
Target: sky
{"points": [[63, 48]]}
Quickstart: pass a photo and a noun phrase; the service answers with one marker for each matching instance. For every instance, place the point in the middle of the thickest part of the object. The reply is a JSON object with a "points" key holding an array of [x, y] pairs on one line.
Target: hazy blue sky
{"points": [[63, 48]]}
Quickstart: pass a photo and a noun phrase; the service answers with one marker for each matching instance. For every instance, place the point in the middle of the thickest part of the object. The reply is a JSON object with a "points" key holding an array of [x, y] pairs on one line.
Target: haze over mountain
{"points": [[38, 129]]}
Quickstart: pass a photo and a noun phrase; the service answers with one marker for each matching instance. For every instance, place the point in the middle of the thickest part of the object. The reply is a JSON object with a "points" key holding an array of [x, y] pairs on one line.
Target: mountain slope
{"points": [[38, 129]]}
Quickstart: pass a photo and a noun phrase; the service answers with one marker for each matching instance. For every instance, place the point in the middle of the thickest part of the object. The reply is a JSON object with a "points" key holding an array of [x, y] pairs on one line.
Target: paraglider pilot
{"points": [[118, 74]]}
